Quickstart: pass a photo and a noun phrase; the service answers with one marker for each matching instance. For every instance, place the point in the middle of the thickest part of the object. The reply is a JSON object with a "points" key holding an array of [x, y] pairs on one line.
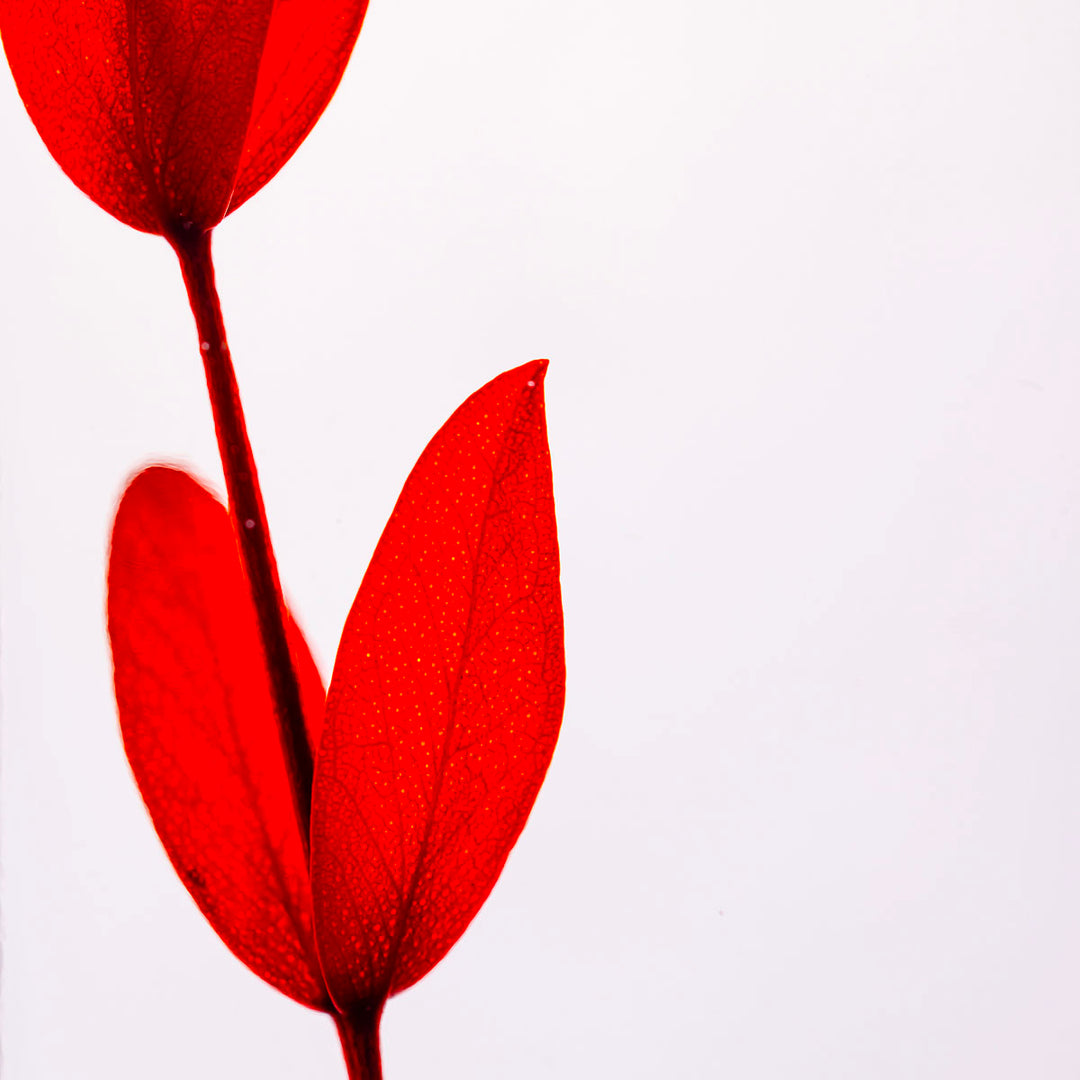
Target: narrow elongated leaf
{"points": [[199, 728], [446, 698]]}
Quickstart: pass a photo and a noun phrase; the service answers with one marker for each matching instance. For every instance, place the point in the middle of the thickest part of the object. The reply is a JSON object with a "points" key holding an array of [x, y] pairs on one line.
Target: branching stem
{"points": [[358, 1031]]}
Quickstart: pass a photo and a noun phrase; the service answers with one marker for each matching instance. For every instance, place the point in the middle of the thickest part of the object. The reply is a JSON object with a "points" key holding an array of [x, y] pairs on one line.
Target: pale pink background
{"points": [[809, 276]]}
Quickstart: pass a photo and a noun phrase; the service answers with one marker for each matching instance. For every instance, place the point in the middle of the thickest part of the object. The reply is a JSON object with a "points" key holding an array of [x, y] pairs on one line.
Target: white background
{"points": [[808, 275]]}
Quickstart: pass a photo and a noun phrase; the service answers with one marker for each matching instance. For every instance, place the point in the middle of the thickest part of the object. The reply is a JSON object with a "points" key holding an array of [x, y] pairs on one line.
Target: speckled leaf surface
{"points": [[446, 698]]}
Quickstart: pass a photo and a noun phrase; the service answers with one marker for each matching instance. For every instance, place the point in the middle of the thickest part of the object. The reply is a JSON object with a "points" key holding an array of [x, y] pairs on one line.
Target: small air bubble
{"points": [[204, 345], [249, 524], [530, 383]]}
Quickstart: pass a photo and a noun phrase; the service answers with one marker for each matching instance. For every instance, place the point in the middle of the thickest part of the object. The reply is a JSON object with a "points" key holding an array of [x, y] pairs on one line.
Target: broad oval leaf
{"points": [[145, 105], [199, 728], [445, 701], [172, 113]]}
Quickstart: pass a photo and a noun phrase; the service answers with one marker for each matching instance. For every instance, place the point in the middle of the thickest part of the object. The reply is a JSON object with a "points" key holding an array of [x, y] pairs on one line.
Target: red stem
{"points": [[358, 1031], [192, 246], [359, 1034]]}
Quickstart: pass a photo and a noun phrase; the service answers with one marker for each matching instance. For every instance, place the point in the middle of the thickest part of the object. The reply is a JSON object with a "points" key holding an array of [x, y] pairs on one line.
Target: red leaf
{"points": [[198, 723], [445, 701], [147, 104], [306, 52]]}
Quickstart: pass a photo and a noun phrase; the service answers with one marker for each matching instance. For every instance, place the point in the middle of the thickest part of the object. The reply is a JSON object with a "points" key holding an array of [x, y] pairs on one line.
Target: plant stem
{"points": [[192, 246], [359, 1034]]}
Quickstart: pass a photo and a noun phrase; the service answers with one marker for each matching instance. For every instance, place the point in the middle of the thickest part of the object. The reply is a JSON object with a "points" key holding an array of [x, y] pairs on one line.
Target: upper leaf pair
{"points": [[174, 112], [440, 722]]}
